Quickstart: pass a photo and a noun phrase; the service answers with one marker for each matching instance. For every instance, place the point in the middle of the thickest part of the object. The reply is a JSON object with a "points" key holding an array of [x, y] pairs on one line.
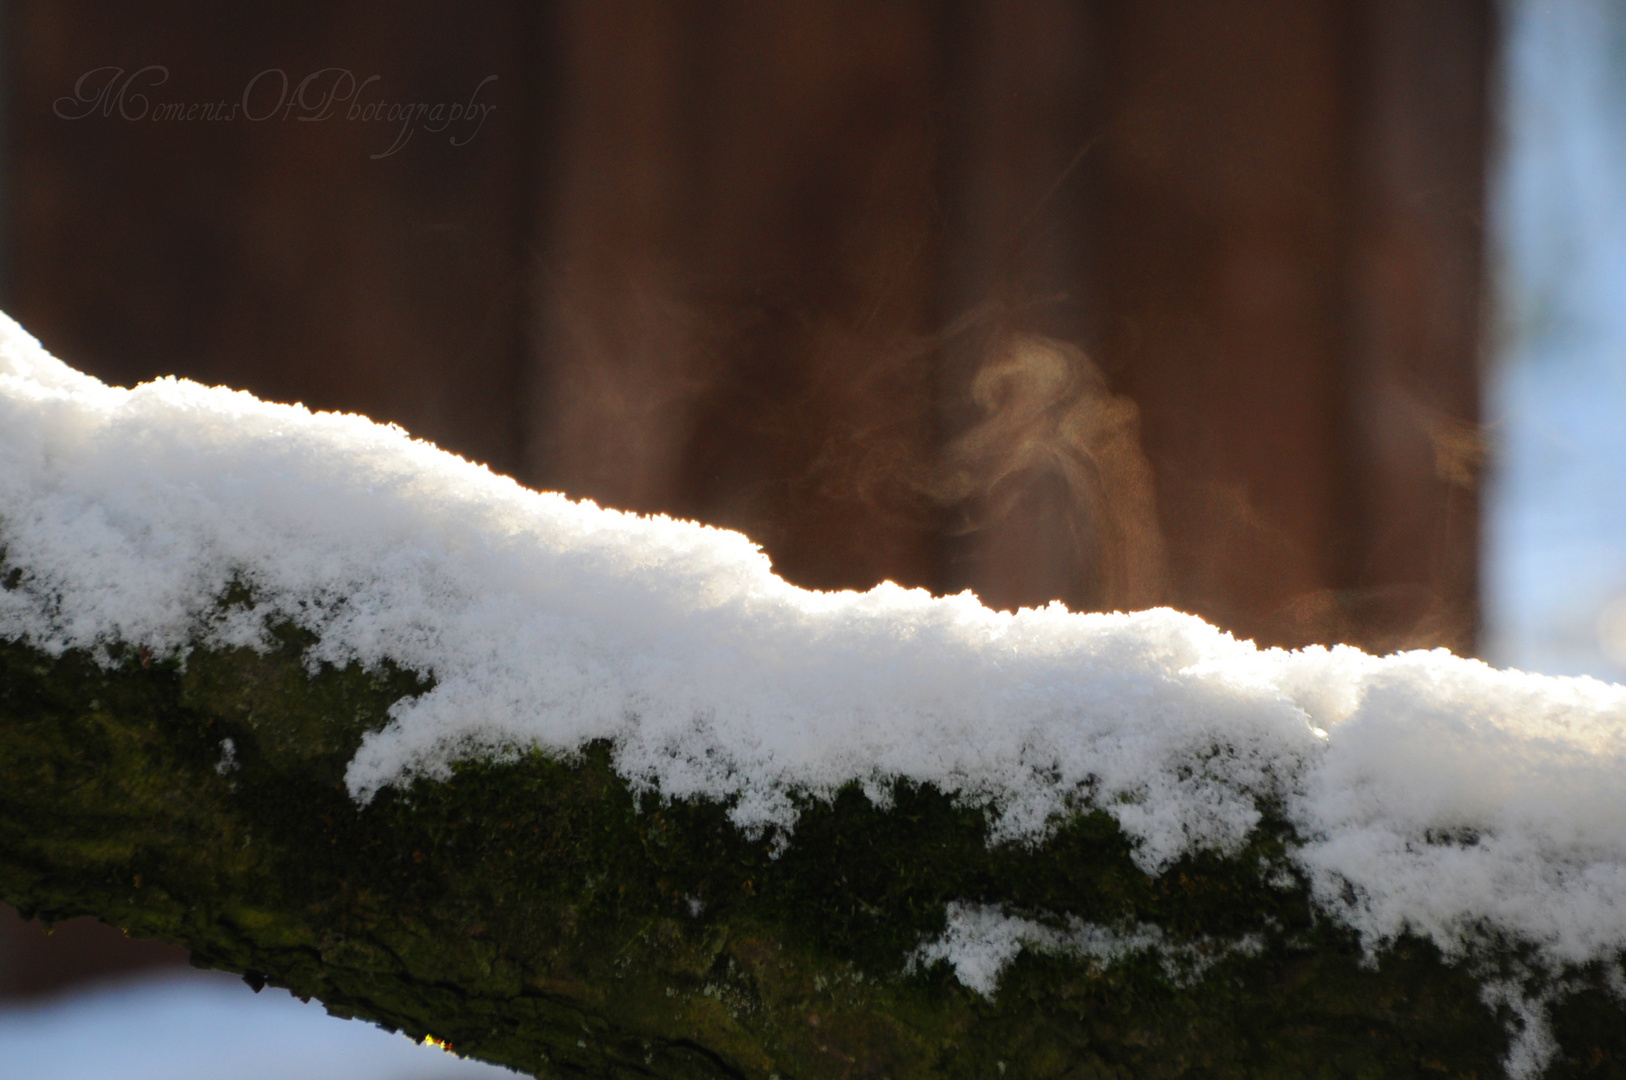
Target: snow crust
{"points": [[1436, 793]]}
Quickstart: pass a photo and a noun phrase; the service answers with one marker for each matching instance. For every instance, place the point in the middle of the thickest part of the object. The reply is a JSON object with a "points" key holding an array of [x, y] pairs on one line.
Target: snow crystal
{"points": [[1433, 794]]}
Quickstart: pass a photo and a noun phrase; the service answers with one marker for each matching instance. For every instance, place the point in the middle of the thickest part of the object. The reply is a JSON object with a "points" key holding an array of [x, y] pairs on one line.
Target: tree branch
{"points": [[542, 914]]}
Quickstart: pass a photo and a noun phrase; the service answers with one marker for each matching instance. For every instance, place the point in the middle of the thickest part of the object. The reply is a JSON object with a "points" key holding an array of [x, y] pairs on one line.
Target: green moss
{"points": [[540, 913]]}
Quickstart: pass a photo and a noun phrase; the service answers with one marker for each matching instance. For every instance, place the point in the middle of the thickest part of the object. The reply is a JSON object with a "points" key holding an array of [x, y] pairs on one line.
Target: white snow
{"points": [[980, 941], [1435, 793]]}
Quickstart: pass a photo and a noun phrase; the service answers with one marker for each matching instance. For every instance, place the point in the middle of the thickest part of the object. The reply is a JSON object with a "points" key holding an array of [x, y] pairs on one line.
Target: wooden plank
{"points": [[35, 961], [1286, 276], [741, 277], [1412, 392], [1048, 495]]}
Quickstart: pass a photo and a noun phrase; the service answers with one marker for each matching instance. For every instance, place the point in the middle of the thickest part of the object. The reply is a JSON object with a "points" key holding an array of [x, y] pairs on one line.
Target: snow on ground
{"points": [[1434, 793], [197, 1027]]}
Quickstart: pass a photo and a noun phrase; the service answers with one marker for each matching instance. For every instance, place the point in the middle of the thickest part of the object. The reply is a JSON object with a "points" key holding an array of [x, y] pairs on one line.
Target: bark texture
{"points": [[542, 914]]}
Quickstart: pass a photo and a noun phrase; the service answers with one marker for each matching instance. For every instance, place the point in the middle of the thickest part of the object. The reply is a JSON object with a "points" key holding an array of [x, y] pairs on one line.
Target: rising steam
{"points": [[1051, 480]]}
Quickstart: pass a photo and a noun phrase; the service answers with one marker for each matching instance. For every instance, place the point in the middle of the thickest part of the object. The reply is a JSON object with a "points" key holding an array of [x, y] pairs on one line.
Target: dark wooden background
{"points": [[1118, 303]]}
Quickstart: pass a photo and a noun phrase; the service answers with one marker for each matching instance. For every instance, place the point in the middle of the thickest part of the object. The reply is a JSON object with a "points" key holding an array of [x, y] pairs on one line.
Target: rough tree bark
{"points": [[541, 914]]}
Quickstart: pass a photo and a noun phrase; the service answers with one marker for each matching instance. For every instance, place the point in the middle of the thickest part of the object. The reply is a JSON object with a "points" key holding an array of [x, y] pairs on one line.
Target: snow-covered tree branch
{"points": [[592, 794]]}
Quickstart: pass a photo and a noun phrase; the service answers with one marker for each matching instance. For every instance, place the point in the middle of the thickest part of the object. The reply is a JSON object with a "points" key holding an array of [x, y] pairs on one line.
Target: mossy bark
{"points": [[542, 914]]}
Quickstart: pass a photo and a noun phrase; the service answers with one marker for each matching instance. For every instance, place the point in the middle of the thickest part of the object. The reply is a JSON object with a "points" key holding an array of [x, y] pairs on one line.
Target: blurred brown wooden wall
{"points": [[1116, 303]]}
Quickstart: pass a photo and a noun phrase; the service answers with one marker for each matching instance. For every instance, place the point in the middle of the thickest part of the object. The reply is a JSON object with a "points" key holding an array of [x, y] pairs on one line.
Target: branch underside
{"points": [[543, 914]]}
